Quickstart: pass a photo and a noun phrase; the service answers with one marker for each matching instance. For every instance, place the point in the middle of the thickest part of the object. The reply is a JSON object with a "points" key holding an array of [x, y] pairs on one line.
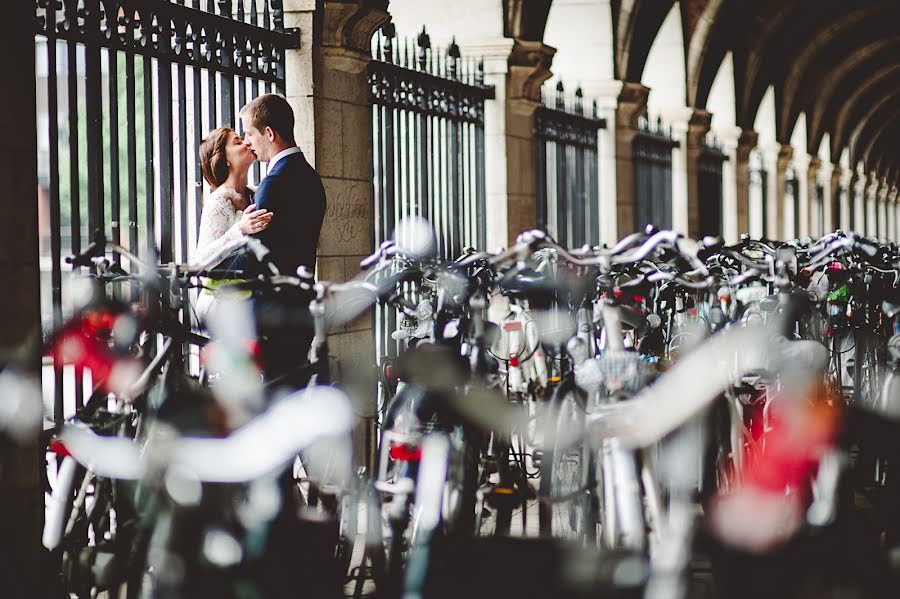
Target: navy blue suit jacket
{"points": [[293, 191]]}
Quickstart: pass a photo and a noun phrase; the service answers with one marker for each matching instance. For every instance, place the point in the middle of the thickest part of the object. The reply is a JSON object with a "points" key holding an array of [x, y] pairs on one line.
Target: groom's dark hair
{"points": [[271, 110]]}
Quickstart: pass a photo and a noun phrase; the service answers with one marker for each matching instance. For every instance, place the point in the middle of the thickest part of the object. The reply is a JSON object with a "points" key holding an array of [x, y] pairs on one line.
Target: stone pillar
{"points": [[882, 199], [328, 89], [894, 232], [871, 191], [697, 127], [812, 180], [529, 68], [631, 106], [680, 122], [780, 228], [730, 139], [606, 93], [891, 214], [21, 491], [495, 54], [746, 142], [826, 175], [858, 189], [801, 172]]}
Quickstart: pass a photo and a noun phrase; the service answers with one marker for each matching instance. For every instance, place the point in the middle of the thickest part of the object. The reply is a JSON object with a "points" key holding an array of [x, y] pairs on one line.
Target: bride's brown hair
{"points": [[213, 161]]}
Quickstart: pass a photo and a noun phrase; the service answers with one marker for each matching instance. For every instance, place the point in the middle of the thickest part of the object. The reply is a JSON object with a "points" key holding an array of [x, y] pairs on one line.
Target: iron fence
{"points": [[427, 147], [568, 202], [710, 188], [126, 90], [653, 175]]}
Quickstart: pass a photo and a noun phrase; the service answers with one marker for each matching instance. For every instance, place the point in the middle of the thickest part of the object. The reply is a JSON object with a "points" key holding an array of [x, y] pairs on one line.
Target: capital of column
{"points": [[346, 34], [606, 92], [883, 189], [746, 142], [494, 52], [679, 119], [813, 166], [785, 156], [529, 68], [729, 137], [698, 125], [632, 104], [846, 176], [802, 162]]}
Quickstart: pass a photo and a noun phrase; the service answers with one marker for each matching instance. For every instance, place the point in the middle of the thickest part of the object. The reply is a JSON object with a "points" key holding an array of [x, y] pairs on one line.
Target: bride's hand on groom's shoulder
{"points": [[253, 221]]}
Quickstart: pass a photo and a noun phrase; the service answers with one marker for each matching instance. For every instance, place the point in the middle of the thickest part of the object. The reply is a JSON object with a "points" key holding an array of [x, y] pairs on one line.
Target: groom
{"points": [[292, 191]]}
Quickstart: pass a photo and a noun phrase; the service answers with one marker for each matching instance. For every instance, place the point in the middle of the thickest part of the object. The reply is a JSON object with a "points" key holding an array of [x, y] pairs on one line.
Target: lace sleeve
{"points": [[219, 227]]}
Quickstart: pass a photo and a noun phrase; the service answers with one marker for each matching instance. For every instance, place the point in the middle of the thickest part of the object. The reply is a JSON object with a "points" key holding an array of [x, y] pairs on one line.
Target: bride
{"points": [[228, 212]]}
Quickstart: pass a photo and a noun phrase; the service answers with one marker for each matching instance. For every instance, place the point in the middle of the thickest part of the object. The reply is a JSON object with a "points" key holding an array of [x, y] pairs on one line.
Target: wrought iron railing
{"points": [[709, 185], [653, 175], [565, 143], [427, 147], [126, 91]]}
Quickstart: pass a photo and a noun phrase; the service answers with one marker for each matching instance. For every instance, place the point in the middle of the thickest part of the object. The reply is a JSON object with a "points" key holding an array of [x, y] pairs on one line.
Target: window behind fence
{"points": [[565, 141], [710, 188], [653, 176], [126, 91]]}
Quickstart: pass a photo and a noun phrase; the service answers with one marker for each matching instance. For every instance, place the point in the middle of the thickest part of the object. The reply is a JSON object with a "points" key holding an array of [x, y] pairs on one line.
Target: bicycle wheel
{"points": [[458, 510], [566, 506]]}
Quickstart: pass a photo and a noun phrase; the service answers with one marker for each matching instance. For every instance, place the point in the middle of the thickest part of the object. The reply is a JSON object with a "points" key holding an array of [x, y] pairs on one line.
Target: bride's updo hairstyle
{"points": [[213, 161]]}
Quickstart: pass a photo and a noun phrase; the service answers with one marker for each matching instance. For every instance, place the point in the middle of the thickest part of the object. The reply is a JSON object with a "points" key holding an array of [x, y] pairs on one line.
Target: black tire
{"points": [[462, 481], [566, 508], [505, 504]]}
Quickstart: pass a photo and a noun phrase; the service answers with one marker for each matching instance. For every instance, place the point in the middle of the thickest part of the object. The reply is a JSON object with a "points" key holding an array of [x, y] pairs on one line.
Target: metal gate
{"points": [[568, 196], [653, 175], [427, 147], [126, 90]]}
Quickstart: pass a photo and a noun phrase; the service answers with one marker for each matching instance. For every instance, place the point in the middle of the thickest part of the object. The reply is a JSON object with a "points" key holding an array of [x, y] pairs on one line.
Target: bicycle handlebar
{"points": [[265, 444]]}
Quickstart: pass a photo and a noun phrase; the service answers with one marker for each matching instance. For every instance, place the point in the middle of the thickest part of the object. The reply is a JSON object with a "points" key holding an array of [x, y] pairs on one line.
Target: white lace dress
{"points": [[219, 227]]}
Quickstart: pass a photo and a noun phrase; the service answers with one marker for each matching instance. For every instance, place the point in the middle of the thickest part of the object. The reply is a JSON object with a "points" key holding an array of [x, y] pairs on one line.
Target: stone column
{"points": [[858, 189], [812, 180], [826, 175], [894, 232], [21, 491], [780, 228], [680, 122], [606, 93], [529, 68], [882, 199], [327, 87], [495, 54], [746, 142], [697, 127], [730, 139], [801, 170], [631, 106], [891, 214]]}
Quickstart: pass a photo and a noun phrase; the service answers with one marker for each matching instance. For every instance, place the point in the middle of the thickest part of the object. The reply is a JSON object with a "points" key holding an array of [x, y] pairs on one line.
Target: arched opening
{"points": [[664, 74], [581, 32], [797, 191], [725, 134]]}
